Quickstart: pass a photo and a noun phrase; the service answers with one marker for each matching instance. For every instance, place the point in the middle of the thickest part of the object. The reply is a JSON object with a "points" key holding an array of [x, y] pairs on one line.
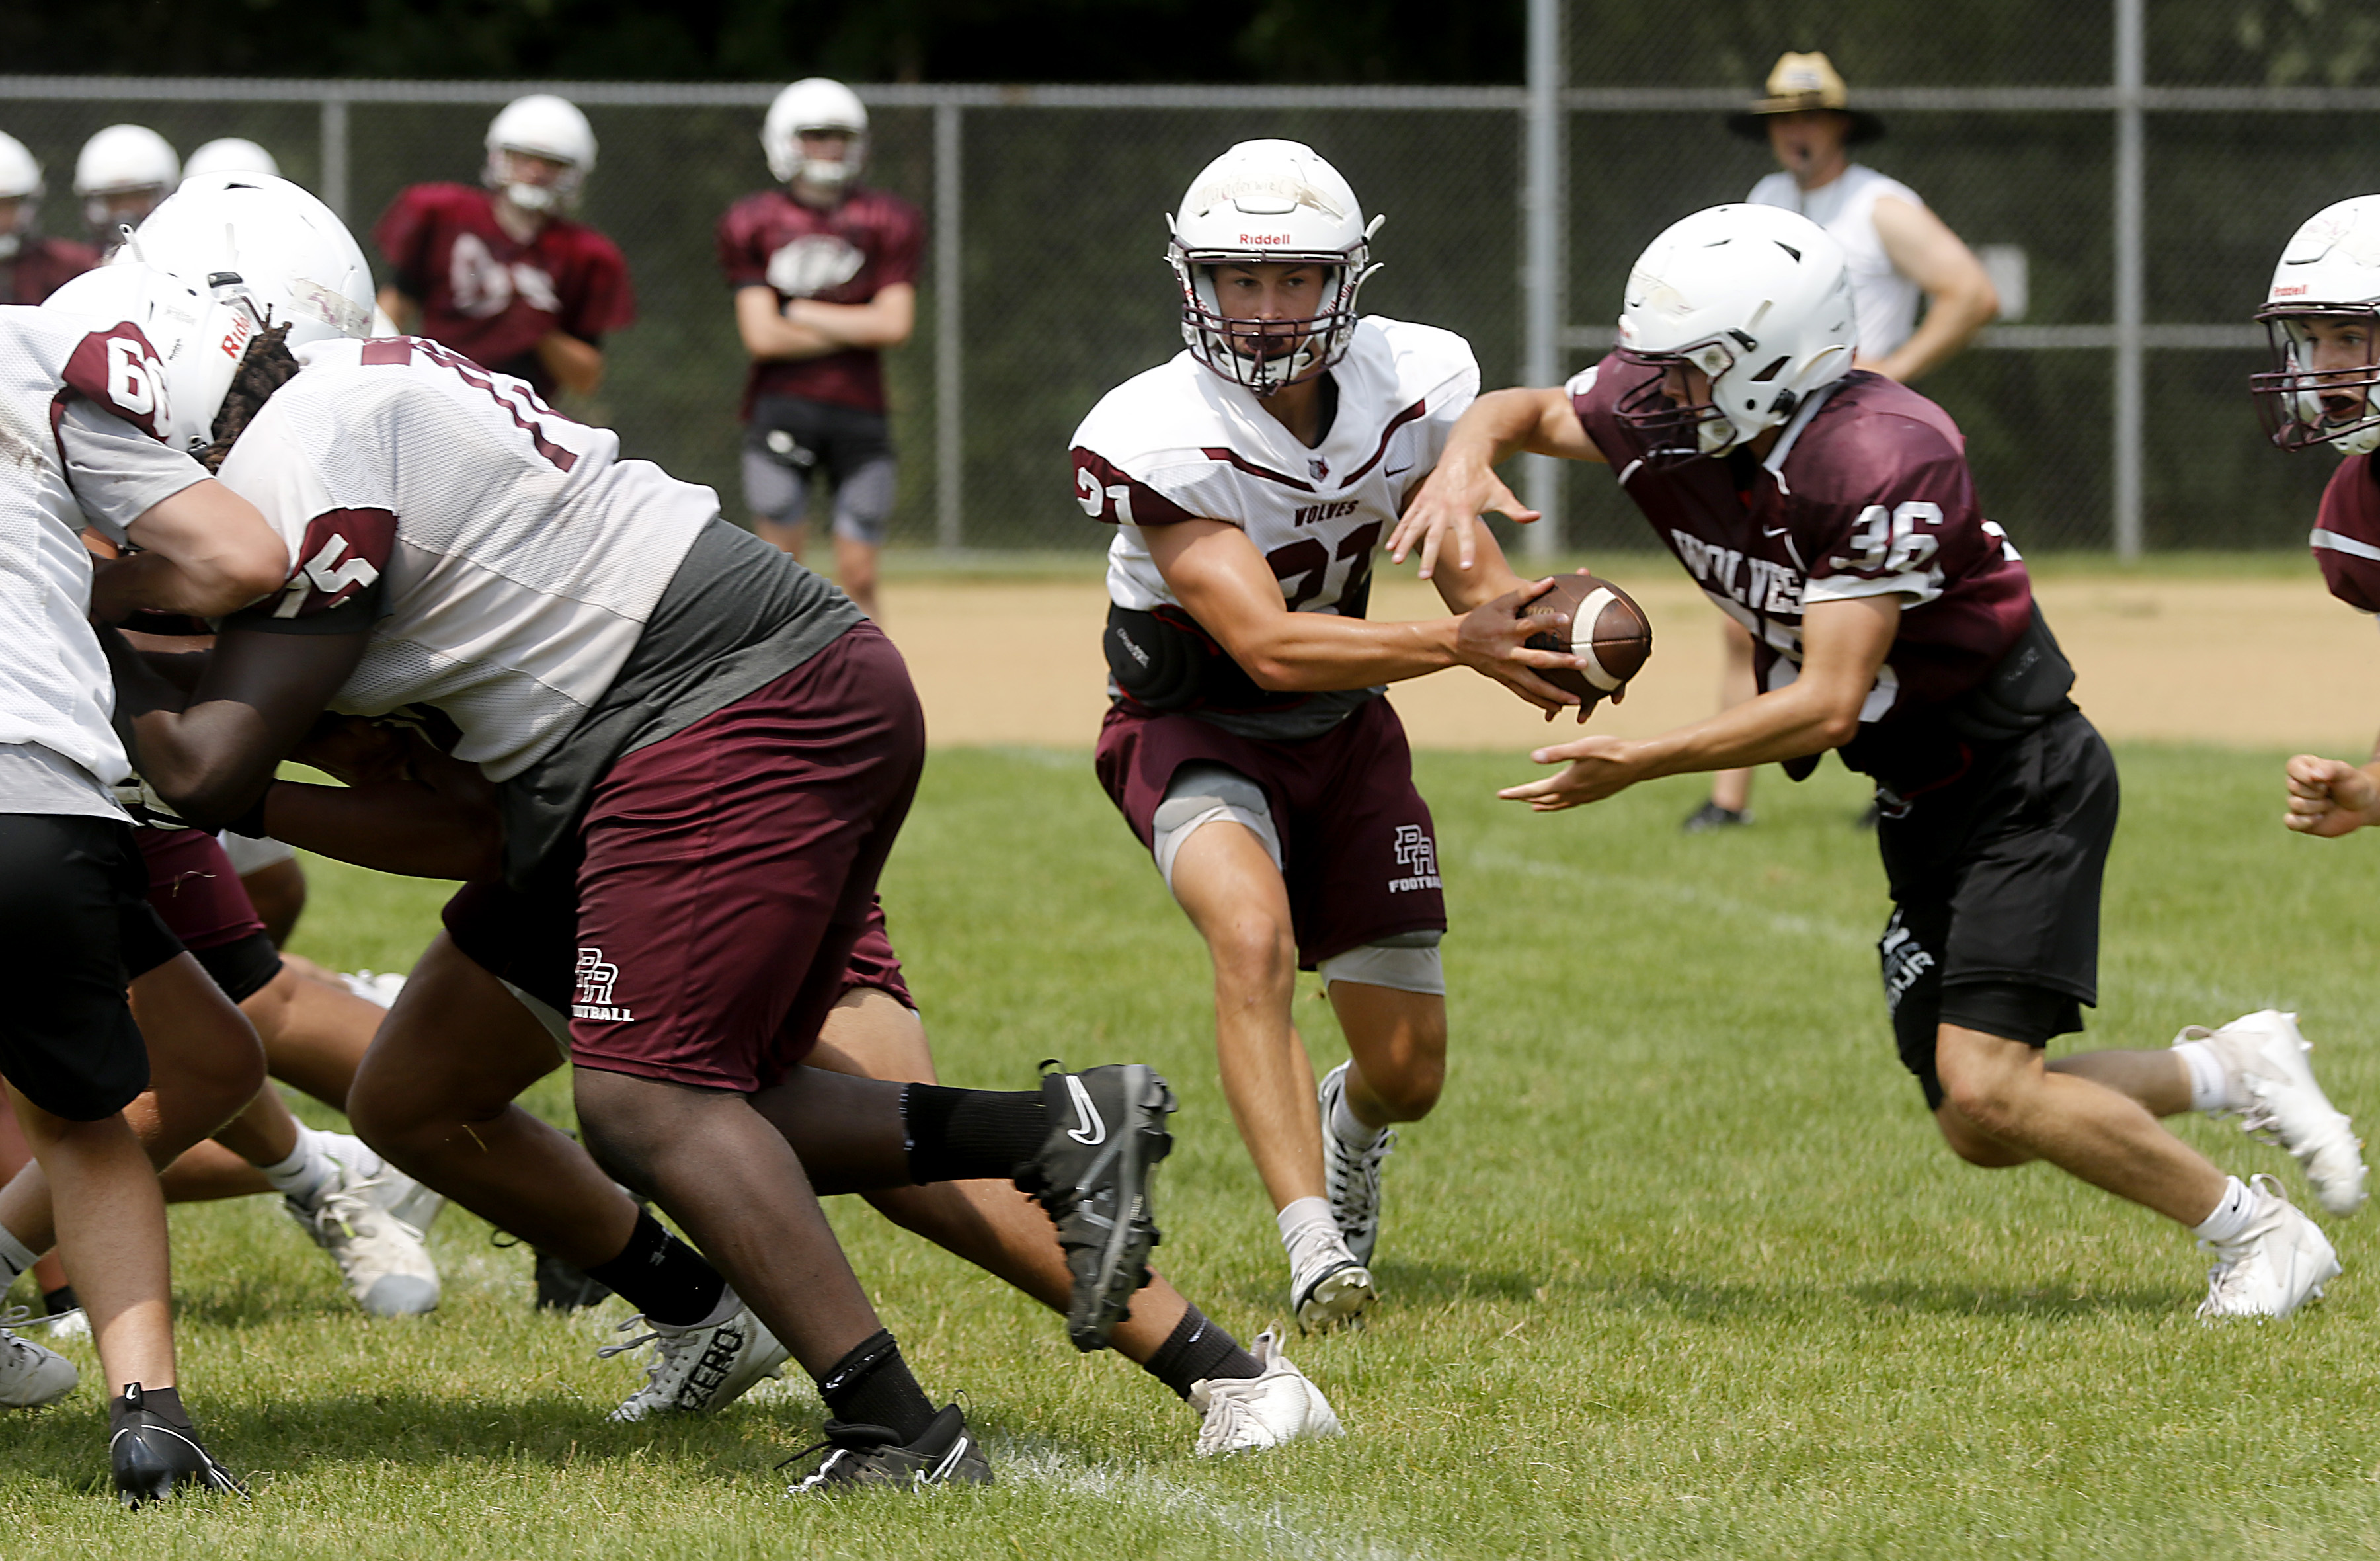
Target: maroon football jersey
{"points": [[1865, 494], [43, 265], [490, 299], [868, 242], [2346, 538]]}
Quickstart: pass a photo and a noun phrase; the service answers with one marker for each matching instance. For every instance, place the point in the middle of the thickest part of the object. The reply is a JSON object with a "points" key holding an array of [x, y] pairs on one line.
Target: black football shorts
{"points": [[75, 927], [1994, 881], [791, 441]]}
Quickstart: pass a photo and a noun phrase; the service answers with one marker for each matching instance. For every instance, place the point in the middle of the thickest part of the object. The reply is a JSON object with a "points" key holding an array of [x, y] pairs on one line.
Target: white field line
{"points": [[1280, 1529], [1693, 896]]}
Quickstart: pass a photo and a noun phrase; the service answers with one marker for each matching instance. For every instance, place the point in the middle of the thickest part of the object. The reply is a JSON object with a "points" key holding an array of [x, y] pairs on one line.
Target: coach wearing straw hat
{"points": [[1899, 251]]}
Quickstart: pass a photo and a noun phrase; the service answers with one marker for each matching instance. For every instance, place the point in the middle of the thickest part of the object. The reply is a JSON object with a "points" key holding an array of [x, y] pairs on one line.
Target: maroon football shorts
{"points": [[729, 870], [1358, 852], [196, 892]]}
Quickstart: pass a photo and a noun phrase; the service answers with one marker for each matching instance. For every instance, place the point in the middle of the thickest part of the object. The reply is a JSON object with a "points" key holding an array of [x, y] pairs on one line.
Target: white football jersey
{"points": [[512, 557], [1182, 443], [79, 440], [1884, 302]]}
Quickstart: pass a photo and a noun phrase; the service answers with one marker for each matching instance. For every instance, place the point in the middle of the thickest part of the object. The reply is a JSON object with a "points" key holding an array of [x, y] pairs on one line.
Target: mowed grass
{"points": [[1677, 1268]]}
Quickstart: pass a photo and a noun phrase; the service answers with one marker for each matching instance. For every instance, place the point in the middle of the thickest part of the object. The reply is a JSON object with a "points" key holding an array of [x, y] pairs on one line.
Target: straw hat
{"points": [[1802, 82]]}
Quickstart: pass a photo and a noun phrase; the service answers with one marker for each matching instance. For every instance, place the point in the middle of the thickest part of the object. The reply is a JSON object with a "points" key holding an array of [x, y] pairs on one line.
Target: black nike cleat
{"points": [[151, 1456], [1107, 1133], [945, 1453]]}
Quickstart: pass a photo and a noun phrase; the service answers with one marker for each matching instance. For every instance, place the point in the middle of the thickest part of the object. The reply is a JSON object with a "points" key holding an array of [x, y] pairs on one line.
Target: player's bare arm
{"points": [[205, 551], [1845, 643], [808, 328], [1959, 299], [400, 307], [212, 751], [575, 365], [1220, 579], [1498, 426]]}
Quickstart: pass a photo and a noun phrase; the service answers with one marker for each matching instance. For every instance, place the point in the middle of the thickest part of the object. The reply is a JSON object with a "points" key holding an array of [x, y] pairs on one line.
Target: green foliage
{"points": [[1677, 1268]]}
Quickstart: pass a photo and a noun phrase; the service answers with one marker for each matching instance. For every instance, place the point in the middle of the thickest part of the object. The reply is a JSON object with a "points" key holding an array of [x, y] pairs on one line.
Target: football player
{"points": [[704, 754], [1248, 746], [1831, 512], [121, 399], [503, 274], [120, 174], [32, 266], [825, 276], [230, 154]]}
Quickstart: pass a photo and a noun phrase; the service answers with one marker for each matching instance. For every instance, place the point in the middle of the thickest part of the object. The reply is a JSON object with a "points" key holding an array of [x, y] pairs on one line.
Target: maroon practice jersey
{"points": [[43, 265], [868, 242], [1865, 494], [492, 299], [2346, 538]]}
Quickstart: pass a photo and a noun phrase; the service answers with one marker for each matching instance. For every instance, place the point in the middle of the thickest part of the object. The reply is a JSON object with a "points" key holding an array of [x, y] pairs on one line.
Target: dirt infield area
{"points": [[2260, 658]]}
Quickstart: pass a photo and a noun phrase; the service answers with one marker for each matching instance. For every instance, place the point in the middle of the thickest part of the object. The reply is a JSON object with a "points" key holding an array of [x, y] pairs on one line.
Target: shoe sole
{"points": [[1338, 1299], [1103, 1297]]}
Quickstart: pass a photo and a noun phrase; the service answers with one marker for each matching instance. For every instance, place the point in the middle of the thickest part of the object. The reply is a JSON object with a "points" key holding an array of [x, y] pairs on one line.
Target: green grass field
{"points": [[1679, 1268]]}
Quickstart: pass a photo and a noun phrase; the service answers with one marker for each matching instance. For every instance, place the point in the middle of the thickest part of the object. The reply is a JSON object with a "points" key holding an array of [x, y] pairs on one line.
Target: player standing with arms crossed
{"points": [[502, 274], [1249, 480], [1898, 253], [1896, 625], [825, 276]]}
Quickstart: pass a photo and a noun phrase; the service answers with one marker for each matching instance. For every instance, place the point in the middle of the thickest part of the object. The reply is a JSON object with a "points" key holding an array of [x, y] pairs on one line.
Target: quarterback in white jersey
{"points": [[1250, 480]]}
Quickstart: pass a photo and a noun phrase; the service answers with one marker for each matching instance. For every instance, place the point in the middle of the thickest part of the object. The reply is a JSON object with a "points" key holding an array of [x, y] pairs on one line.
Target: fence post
{"points": [[950, 450], [334, 155], [2131, 419], [1544, 269]]}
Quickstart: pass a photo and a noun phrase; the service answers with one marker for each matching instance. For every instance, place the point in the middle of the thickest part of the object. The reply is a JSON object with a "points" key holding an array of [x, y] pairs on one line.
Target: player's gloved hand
{"points": [[1490, 642], [149, 810]]}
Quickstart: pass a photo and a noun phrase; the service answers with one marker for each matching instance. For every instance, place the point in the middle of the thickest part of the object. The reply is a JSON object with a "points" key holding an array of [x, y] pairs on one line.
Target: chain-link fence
{"points": [[1043, 283]]}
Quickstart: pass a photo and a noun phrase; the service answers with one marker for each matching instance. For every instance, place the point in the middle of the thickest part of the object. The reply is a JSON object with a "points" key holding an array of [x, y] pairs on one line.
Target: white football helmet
{"points": [[1279, 202], [230, 154], [199, 333], [1759, 300], [815, 104], [542, 126], [291, 252], [20, 180], [119, 161], [2330, 271]]}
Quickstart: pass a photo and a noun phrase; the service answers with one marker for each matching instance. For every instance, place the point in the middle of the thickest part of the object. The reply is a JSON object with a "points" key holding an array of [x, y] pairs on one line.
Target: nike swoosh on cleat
{"points": [[1095, 1130]]}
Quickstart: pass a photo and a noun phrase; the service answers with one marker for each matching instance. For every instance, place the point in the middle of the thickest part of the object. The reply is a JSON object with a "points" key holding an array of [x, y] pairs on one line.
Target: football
{"points": [[1607, 628]]}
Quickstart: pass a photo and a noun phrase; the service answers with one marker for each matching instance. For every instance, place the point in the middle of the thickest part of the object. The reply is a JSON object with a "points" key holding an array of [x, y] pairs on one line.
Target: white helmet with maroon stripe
{"points": [[2330, 271], [1269, 201]]}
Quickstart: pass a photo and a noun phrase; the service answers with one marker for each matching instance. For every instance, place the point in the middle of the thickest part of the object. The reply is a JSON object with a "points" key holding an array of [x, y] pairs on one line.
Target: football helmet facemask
{"points": [[1272, 201], [540, 125], [813, 104], [1755, 297], [2329, 273]]}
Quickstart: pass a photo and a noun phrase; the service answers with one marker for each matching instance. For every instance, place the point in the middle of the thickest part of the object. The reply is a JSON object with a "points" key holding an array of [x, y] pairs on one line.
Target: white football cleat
{"points": [[387, 1268], [697, 1369], [375, 986], [31, 1376], [2278, 1263], [1277, 1404], [1351, 1176], [2265, 1058]]}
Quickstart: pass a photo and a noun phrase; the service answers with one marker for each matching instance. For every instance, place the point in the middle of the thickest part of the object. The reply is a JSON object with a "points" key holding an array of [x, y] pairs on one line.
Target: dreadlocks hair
{"points": [[265, 367]]}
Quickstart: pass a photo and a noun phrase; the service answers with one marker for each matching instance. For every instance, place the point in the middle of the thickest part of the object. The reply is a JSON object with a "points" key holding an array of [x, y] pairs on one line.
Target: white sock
{"points": [[308, 1170], [2210, 1082], [19, 1257], [1352, 1131], [1306, 1223], [2231, 1216]]}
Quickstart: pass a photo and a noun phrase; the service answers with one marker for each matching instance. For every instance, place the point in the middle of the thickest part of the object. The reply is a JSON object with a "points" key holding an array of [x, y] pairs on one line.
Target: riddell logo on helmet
{"points": [[1264, 238], [2292, 292]]}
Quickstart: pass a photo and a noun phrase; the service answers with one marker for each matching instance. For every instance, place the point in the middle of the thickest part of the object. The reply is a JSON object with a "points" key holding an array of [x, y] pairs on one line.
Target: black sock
{"points": [[872, 1386], [60, 1299], [163, 1402], [971, 1135], [662, 1277], [1198, 1350]]}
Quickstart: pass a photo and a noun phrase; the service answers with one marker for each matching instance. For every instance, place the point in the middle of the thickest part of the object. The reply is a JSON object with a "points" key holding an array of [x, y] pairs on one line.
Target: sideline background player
{"points": [[120, 174], [825, 275], [1249, 480], [502, 274], [1899, 253], [32, 266]]}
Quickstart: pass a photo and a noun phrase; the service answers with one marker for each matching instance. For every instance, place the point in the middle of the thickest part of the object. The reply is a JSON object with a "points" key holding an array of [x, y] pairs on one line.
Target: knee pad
{"points": [[1200, 794], [1402, 962], [863, 502]]}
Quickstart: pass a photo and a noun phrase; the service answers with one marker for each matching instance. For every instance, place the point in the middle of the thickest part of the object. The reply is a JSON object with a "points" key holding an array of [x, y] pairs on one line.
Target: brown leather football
{"points": [[1606, 627]]}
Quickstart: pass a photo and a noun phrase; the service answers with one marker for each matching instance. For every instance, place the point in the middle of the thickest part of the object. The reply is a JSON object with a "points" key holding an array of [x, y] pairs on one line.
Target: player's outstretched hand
{"points": [[2329, 796], [1490, 643], [1448, 506], [1593, 768]]}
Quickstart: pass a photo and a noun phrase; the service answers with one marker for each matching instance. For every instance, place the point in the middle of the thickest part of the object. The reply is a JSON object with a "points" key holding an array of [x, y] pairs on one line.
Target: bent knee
{"points": [[1253, 952], [1412, 1092]]}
